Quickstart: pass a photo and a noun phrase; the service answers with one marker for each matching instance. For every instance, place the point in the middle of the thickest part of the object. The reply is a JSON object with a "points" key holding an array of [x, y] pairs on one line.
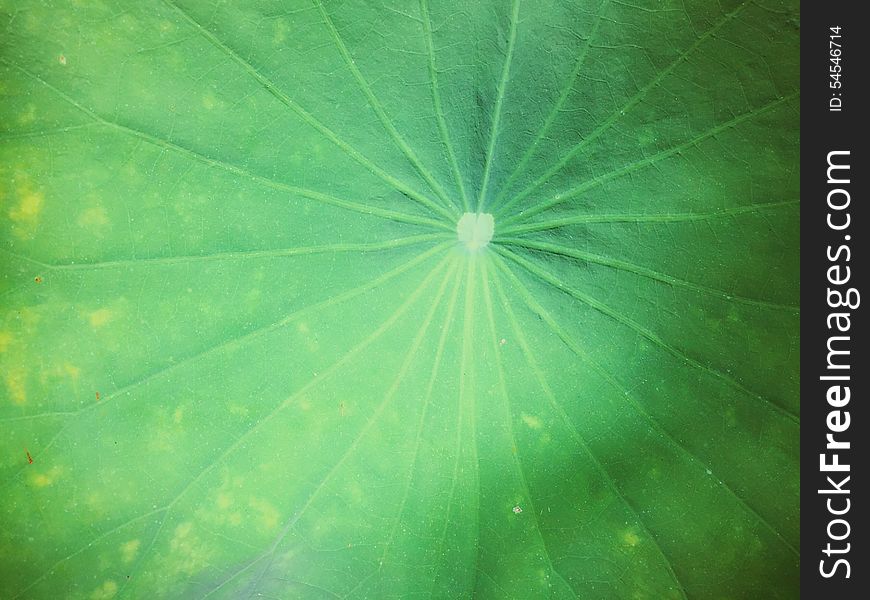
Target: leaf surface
{"points": [[249, 356]]}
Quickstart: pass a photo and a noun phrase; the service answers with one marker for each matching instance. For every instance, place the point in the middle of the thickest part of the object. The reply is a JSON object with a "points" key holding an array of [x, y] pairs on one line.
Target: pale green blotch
{"points": [[475, 230]]}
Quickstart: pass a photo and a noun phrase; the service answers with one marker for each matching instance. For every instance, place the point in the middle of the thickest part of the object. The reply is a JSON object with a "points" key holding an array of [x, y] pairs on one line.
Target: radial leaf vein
{"points": [[376, 334], [563, 97], [236, 170], [332, 369], [427, 397], [237, 443], [509, 420], [467, 400], [438, 109], [410, 355], [308, 118], [43, 132], [643, 218], [630, 398], [625, 108], [496, 118], [643, 332], [645, 162], [539, 310], [361, 247], [247, 337], [630, 267], [457, 449], [380, 112]]}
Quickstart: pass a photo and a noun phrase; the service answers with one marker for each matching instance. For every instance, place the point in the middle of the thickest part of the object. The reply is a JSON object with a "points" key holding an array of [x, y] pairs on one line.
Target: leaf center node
{"points": [[475, 230]]}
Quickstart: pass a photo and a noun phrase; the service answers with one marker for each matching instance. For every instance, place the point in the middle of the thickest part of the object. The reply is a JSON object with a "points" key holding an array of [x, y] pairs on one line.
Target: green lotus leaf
{"points": [[399, 299]]}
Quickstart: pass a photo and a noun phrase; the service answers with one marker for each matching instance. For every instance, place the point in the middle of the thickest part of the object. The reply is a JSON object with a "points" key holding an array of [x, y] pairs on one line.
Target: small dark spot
{"points": [[37, 279]]}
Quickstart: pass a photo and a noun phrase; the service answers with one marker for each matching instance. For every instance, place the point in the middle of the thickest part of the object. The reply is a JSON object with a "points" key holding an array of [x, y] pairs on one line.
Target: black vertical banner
{"points": [[834, 370]]}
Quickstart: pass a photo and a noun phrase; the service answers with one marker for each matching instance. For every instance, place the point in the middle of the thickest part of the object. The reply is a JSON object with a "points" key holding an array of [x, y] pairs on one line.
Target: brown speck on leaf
{"points": [[37, 279], [29, 458], [97, 394], [62, 59]]}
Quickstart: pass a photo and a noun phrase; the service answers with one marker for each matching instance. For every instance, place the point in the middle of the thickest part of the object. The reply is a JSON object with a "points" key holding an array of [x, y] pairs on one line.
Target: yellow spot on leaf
{"points": [[105, 591], [25, 212], [239, 410], [45, 478], [5, 340], [182, 531], [100, 317], [210, 101], [72, 370], [630, 538], [98, 504], [129, 550], [129, 170], [162, 439], [15, 380], [267, 515], [532, 421], [355, 493], [29, 318], [93, 218], [280, 28], [224, 501], [730, 417], [189, 553], [28, 116]]}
